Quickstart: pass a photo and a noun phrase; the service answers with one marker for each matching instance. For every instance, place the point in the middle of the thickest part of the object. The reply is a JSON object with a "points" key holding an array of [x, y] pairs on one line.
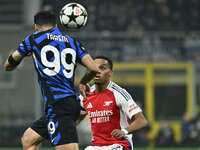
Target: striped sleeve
{"points": [[26, 46], [125, 101], [81, 52]]}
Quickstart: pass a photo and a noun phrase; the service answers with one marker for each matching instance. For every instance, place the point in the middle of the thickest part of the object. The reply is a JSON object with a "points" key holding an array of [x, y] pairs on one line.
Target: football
{"points": [[73, 16]]}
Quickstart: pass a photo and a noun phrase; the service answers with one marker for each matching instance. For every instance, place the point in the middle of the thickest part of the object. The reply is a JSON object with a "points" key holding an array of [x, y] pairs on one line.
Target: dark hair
{"points": [[110, 63], [45, 18]]}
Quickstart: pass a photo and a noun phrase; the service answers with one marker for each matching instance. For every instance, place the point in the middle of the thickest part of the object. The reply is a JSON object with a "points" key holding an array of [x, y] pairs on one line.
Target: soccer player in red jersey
{"points": [[109, 108]]}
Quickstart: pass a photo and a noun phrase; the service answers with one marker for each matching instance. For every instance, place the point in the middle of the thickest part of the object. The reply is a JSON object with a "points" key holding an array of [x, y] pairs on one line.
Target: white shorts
{"points": [[109, 147]]}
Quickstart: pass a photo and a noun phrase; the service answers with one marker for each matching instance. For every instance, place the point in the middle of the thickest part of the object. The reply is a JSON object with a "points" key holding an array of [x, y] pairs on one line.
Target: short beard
{"points": [[97, 83]]}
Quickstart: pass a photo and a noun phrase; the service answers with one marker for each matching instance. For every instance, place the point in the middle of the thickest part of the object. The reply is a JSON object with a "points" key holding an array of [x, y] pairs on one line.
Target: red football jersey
{"points": [[109, 110]]}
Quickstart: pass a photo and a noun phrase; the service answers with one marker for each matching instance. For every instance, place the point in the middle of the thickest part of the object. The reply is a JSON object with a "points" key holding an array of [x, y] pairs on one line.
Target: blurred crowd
{"points": [[151, 15], [136, 18], [190, 130], [190, 134]]}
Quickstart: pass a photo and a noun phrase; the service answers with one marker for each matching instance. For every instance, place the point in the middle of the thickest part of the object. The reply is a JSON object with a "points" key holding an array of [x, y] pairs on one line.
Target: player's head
{"points": [[44, 19], [109, 61], [105, 65]]}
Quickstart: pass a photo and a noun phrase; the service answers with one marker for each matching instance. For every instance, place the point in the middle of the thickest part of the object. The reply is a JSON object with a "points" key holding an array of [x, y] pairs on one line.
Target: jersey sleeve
{"points": [[126, 103], [26, 46], [83, 111], [80, 51]]}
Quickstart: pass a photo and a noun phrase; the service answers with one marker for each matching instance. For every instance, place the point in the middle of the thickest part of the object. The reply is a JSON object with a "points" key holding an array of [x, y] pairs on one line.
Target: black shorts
{"points": [[59, 123]]}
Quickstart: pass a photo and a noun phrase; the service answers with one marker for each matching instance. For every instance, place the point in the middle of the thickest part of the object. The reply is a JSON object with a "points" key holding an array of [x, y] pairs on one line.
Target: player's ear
{"points": [[110, 73], [36, 28]]}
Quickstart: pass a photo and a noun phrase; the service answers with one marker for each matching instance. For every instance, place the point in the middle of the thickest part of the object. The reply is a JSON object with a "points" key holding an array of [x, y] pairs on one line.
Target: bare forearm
{"points": [[13, 61], [92, 69], [137, 124], [8, 66]]}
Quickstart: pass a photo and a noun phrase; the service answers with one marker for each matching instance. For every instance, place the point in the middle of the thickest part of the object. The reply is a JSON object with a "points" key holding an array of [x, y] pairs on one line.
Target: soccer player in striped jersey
{"points": [[55, 56], [109, 108]]}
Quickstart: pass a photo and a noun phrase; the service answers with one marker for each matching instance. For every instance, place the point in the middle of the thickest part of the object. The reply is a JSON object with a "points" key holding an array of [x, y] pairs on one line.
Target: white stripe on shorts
{"points": [[109, 147]]}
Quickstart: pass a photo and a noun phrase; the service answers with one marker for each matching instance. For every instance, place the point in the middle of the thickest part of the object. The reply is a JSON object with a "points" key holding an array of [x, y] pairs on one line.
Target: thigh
{"points": [[31, 137], [40, 127], [36, 133]]}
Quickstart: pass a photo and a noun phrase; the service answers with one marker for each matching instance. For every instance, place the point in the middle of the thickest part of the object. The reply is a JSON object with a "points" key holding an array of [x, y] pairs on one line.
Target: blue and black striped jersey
{"points": [[55, 57]]}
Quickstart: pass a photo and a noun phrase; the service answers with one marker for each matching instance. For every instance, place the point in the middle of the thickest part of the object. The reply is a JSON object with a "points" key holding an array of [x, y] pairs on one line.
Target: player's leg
{"points": [[31, 139], [35, 134]]}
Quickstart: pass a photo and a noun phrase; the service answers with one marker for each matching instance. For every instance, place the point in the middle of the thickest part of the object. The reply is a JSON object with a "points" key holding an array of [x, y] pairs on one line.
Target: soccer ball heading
{"points": [[73, 16]]}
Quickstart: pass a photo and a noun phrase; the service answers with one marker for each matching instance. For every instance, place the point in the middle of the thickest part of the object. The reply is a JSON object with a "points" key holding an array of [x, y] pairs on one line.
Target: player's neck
{"points": [[101, 87], [44, 28]]}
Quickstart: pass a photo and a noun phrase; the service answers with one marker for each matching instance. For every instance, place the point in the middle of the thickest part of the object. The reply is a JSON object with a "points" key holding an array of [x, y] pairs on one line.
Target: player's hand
{"points": [[84, 90], [117, 134]]}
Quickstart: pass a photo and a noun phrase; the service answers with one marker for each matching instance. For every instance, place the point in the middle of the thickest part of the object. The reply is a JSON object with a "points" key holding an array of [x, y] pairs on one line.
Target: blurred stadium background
{"points": [[155, 45]]}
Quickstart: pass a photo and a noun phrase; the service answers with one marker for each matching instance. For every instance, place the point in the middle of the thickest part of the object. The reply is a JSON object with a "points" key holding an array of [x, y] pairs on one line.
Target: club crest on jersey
{"points": [[107, 103], [89, 105]]}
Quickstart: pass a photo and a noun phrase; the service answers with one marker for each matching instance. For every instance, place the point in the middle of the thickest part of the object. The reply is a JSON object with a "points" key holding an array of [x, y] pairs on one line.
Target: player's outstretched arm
{"points": [[92, 70], [139, 122], [13, 61]]}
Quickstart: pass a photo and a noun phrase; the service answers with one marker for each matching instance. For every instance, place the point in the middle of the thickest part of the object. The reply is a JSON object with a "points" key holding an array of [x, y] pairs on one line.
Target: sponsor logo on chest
{"points": [[100, 116], [99, 113]]}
